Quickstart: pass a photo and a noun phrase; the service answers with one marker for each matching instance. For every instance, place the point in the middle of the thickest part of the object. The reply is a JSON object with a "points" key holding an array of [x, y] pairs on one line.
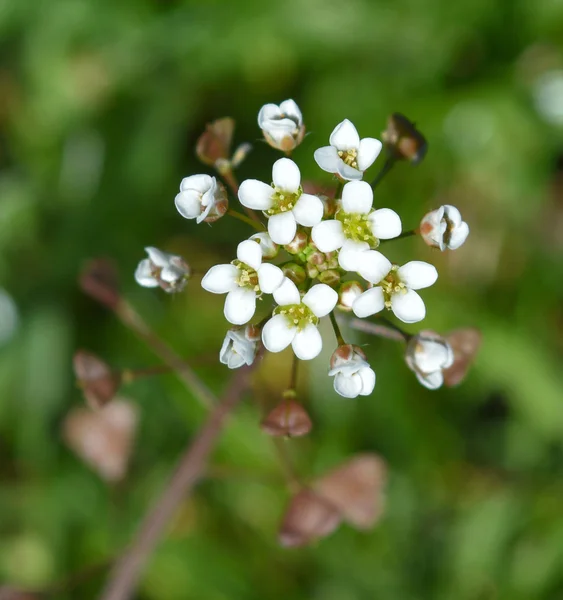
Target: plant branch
{"points": [[387, 166], [337, 331], [388, 331], [256, 223]]}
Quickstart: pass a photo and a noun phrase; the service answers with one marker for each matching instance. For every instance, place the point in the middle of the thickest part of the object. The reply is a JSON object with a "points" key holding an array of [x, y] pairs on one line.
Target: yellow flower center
{"points": [[350, 157], [357, 227], [297, 315], [392, 284], [247, 277], [283, 201]]}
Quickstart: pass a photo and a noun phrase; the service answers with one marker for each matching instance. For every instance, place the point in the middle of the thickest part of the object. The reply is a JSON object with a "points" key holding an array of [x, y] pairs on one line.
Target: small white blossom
{"points": [[201, 198], [239, 347], [244, 280], [347, 294], [394, 287], [160, 269], [283, 202], [357, 226], [282, 125], [428, 354], [444, 228], [347, 155], [295, 320], [269, 249], [352, 374]]}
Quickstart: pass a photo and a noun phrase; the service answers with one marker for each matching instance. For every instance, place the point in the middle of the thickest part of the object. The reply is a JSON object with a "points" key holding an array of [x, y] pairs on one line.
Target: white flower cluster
{"points": [[327, 244]]}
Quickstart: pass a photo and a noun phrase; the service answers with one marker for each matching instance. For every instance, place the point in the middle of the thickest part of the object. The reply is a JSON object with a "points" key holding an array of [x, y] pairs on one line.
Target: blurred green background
{"points": [[100, 107]]}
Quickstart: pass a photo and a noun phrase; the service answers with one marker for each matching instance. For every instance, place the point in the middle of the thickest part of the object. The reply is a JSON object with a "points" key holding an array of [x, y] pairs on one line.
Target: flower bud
{"points": [[214, 144], [427, 355], [348, 292], [94, 376], [352, 374], [402, 139], [444, 228], [282, 126], [329, 206], [330, 277], [287, 419], [240, 346], [167, 271], [240, 154], [269, 248], [202, 198], [298, 244], [294, 272]]}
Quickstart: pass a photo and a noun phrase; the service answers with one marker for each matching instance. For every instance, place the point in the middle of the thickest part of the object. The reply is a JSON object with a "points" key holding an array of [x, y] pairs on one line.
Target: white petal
{"points": [[348, 386], [188, 204], [385, 223], [308, 211], [240, 306], [199, 183], [345, 136], [287, 293], [373, 266], [290, 108], [417, 274], [270, 278], [452, 214], [220, 279], [267, 112], [432, 381], [367, 376], [158, 257], [369, 303], [286, 175], [307, 343], [143, 275], [357, 197], [367, 153], [282, 227], [277, 334], [347, 172], [255, 194], [432, 356], [349, 257], [327, 158], [250, 253], [408, 307], [328, 236], [458, 236], [321, 299]]}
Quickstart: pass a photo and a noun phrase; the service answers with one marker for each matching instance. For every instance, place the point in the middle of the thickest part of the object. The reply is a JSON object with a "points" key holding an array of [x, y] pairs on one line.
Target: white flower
{"points": [[269, 249], [239, 347], [160, 269], [283, 202], [282, 125], [357, 227], [295, 320], [243, 281], [352, 374], [444, 228], [394, 287], [347, 155], [201, 198], [428, 354]]}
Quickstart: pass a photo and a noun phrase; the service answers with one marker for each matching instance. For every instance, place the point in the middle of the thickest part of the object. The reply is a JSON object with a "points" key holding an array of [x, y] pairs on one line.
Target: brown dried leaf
{"points": [[215, 142], [465, 343], [103, 439], [99, 280], [95, 377], [288, 419], [356, 489], [309, 517]]}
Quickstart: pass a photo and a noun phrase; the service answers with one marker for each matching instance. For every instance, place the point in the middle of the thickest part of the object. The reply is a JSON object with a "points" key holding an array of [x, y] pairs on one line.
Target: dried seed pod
{"points": [[402, 139], [287, 419], [214, 144], [465, 343], [96, 379]]}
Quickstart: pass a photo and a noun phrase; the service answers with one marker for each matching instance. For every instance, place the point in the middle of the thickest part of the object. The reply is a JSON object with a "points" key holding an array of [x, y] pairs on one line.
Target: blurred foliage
{"points": [[100, 107]]}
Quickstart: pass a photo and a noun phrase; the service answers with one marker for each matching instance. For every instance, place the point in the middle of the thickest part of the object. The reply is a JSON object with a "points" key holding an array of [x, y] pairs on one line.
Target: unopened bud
{"points": [[427, 355], [330, 277], [214, 144], [294, 272], [298, 244], [240, 154], [444, 228], [282, 125], [347, 294], [329, 206], [403, 140], [345, 354], [269, 248], [94, 376], [287, 419], [352, 374]]}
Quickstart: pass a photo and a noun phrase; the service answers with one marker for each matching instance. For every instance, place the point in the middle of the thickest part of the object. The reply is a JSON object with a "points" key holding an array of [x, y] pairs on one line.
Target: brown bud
{"points": [[214, 144], [294, 272], [103, 439], [329, 206], [403, 140], [356, 489], [99, 384], [298, 244], [346, 354], [465, 343], [100, 281], [347, 294], [287, 419], [309, 517], [330, 277]]}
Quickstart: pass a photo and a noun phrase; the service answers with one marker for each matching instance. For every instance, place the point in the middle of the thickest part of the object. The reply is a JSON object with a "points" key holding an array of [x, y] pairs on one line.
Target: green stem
{"points": [[336, 328], [387, 166], [338, 191], [293, 378], [256, 224]]}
